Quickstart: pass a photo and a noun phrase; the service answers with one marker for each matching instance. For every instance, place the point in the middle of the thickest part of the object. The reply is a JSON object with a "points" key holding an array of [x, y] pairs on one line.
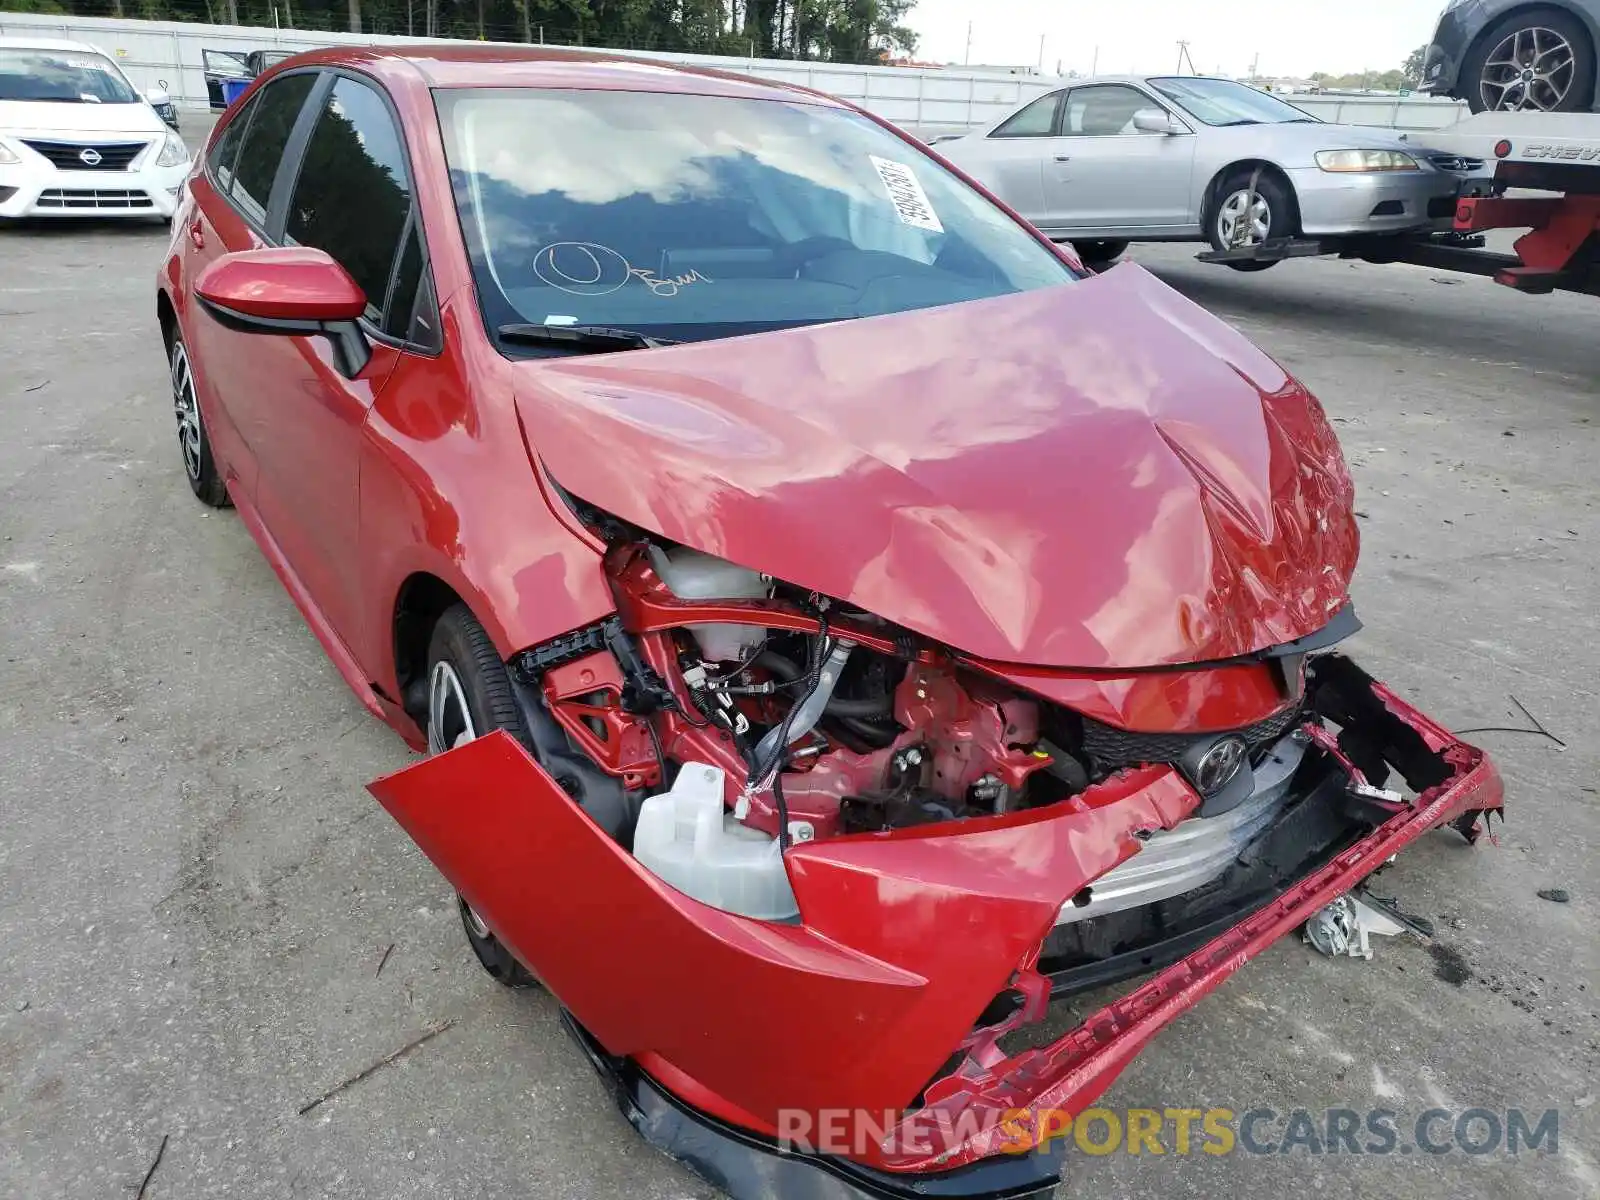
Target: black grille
{"points": [[1112, 748], [91, 198], [1456, 162], [68, 156]]}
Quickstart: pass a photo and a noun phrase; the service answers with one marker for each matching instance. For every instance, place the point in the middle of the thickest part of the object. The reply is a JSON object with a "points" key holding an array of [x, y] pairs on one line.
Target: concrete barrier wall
{"points": [[926, 101]]}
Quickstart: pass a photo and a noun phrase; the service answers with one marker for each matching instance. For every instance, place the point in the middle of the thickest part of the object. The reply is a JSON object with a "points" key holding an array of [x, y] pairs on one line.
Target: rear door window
{"points": [[221, 158], [276, 111], [353, 197], [1036, 120]]}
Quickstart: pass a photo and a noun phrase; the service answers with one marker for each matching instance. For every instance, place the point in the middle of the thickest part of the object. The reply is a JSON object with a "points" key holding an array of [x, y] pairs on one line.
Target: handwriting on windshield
{"points": [[590, 269], [670, 285]]}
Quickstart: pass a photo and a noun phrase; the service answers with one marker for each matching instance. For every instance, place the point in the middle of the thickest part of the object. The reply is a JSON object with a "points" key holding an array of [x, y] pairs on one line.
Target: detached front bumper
{"points": [[793, 1060], [1337, 204]]}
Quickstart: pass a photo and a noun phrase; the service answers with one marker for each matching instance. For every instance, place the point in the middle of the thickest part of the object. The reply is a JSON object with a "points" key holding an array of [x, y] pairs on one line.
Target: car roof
{"points": [[1140, 79], [456, 66], [33, 43]]}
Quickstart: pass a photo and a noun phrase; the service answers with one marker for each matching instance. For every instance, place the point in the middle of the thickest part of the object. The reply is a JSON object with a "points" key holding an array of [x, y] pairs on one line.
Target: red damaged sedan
{"points": [[838, 626]]}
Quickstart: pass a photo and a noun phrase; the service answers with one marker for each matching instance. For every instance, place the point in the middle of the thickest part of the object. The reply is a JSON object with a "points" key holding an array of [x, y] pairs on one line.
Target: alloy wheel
{"points": [[1532, 68], [450, 725], [186, 408], [449, 718], [1244, 219]]}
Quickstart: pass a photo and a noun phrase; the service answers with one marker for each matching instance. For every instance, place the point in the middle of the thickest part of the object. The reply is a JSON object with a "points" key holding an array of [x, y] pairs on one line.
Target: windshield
{"points": [[691, 217], [1222, 102], [70, 76]]}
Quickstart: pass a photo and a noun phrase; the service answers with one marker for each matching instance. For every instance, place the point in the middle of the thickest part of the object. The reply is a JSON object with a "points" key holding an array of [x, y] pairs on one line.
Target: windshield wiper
{"points": [[582, 337], [1240, 121]]}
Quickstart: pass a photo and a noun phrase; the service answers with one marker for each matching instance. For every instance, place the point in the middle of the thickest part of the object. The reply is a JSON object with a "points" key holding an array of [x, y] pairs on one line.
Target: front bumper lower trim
{"points": [[746, 1164]]}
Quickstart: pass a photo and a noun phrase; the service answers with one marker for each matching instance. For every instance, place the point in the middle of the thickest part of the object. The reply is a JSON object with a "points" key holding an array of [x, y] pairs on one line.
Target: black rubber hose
{"points": [[838, 706], [784, 668]]}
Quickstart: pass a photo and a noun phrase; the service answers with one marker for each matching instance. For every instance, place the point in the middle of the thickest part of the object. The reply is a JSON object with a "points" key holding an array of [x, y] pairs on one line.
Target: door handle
{"points": [[197, 234], [1063, 158]]}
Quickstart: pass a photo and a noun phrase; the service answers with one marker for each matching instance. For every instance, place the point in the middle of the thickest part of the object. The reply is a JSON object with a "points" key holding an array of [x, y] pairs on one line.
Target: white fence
{"points": [[927, 101]]}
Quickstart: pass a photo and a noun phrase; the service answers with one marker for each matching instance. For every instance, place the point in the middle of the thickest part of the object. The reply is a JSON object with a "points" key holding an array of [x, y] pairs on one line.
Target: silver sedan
{"points": [[1102, 162]]}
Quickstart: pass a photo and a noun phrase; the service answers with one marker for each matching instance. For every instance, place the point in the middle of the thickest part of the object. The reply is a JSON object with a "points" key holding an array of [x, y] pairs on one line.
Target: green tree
{"points": [[1412, 70], [832, 30]]}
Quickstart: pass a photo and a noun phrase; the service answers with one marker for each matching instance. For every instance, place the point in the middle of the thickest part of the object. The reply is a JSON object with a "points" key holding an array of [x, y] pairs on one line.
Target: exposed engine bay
{"points": [[824, 721], [768, 789]]}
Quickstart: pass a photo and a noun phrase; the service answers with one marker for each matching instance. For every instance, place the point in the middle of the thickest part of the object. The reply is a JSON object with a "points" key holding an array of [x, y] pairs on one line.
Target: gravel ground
{"points": [[198, 893]]}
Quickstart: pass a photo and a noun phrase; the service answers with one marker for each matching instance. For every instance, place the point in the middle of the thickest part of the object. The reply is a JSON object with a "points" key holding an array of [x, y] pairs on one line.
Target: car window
{"points": [[1104, 110], [1035, 120], [698, 217], [62, 76], [220, 160], [1223, 102], [225, 63], [398, 317], [353, 195], [262, 152]]}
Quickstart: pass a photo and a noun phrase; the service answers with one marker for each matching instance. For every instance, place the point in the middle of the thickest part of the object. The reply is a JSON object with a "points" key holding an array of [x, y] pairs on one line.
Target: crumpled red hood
{"points": [[1098, 475]]}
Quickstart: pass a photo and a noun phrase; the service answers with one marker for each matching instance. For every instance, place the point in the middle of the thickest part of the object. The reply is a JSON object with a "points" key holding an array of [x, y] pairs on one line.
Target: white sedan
{"points": [[77, 139]]}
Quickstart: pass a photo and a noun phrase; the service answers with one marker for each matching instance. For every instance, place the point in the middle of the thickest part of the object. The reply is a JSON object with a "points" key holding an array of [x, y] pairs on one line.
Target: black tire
{"points": [[461, 644], [1272, 189], [1579, 96], [194, 446], [1097, 255]]}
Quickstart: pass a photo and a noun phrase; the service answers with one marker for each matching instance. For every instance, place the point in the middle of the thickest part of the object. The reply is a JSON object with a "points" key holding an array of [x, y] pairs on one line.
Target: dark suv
{"points": [[1510, 54]]}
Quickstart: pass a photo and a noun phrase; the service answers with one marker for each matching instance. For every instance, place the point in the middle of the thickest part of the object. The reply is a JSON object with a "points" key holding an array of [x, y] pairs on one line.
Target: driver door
{"points": [[1103, 174], [1010, 159]]}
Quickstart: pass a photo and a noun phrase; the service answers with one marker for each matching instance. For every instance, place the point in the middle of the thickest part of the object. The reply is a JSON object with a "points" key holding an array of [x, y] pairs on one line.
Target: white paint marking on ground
{"points": [[1382, 1088], [1435, 1092], [28, 570]]}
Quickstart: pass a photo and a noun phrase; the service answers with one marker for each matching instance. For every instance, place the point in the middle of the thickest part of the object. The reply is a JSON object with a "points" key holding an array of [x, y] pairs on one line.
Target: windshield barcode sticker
{"points": [[906, 194]]}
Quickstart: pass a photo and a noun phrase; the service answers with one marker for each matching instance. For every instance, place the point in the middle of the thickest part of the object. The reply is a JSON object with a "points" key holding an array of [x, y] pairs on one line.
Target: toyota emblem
{"points": [[89, 156], [1219, 764]]}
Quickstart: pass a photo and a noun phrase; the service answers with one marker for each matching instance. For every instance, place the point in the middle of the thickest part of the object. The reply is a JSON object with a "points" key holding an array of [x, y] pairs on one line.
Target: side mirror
{"points": [[294, 290], [1155, 120]]}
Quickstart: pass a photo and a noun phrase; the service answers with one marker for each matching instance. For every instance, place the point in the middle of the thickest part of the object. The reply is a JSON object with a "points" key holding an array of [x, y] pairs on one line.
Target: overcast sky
{"points": [[1292, 38]]}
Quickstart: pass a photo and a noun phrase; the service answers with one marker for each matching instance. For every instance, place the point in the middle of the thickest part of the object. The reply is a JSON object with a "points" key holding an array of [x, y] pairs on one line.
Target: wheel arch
{"points": [[1588, 18], [420, 601], [166, 317], [1213, 191]]}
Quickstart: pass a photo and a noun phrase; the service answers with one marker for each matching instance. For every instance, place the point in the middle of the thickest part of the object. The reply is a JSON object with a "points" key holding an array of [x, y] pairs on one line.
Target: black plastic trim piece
{"points": [[532, 663], [749, 1166], [1156, 956], [1345, 624], [351, 350]]}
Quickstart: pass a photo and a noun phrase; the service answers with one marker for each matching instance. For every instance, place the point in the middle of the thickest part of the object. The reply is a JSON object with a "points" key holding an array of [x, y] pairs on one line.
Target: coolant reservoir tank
{"points": [[690, 575], [689, 840]]}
